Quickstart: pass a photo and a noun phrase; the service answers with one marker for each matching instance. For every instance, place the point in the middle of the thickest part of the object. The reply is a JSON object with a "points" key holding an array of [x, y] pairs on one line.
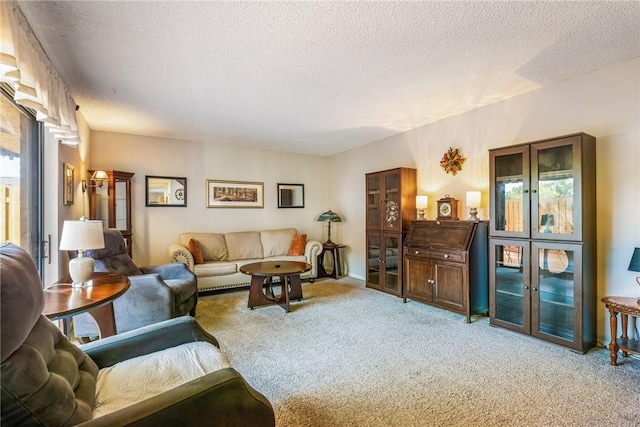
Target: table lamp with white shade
{"points": [[421, 205], [81, 235], [473, 203]]}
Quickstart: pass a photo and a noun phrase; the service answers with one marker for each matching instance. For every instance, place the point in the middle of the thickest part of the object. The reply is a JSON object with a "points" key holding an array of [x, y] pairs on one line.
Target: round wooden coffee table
{"points": [[261, 291]]}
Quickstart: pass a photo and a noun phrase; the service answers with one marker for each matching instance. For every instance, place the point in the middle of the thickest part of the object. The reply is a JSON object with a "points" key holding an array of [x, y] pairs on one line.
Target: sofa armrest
{"points": [[170, 271], [148, 339], [180, 253], [311, 252], [220, 398]]}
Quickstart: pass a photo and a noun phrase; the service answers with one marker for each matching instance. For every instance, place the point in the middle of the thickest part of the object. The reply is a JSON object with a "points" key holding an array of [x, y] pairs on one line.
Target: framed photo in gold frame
{"points": [[68, 185], [234, 194]]}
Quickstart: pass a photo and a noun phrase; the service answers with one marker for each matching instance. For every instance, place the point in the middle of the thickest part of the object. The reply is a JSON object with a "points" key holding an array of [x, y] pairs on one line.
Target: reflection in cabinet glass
{"points": [[384, 262], [510, 281], [555, 192], [511, 186]]}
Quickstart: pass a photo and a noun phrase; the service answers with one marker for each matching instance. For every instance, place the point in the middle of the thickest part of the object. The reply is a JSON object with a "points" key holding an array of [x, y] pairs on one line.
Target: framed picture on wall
{"points": [[68, 186], [234, 194]]}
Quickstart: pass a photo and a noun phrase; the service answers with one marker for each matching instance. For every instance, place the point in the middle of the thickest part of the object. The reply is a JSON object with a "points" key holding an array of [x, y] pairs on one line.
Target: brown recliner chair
{"points": [[156, 293], [48, 381]]}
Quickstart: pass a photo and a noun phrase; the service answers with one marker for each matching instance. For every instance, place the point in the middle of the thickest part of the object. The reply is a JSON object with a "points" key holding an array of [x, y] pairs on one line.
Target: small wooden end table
{"points": [[334, 250], [62, 301], [261, 288], [626, 306]]}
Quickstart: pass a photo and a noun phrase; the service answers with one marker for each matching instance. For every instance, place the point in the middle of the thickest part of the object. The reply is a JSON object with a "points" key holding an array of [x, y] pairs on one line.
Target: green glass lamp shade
{"points": [[329, 217]]}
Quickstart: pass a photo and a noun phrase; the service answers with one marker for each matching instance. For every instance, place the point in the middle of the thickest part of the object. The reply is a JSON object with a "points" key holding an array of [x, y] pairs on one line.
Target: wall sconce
{"points": [[473, 203], [421, 205], [634, 265], [99, 177]]}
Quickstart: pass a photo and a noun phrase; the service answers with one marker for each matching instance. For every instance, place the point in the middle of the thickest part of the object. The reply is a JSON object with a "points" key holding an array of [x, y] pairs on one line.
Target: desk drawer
{"points": [[443, 254]]}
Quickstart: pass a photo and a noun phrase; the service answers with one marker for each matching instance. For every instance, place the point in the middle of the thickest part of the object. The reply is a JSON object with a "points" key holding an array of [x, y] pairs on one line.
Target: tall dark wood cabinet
{"points": [[445, 265], [391, 206], [111, 203], [542, 246]]}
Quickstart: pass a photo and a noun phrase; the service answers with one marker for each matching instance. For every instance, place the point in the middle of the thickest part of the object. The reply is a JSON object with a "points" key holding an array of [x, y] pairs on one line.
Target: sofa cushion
{"points": [[196, 251], [215, 268], [276, 242], [243, 245], [213, 245], [297, 245], [142, 377]]}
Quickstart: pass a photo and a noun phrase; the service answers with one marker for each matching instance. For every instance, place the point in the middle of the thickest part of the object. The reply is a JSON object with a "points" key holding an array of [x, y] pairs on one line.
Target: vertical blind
{"points": [[25, 66]]}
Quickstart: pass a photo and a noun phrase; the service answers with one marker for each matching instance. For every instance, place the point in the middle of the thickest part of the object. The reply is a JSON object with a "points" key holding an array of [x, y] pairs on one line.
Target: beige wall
{"points": [[155, 228], [605, 104]]}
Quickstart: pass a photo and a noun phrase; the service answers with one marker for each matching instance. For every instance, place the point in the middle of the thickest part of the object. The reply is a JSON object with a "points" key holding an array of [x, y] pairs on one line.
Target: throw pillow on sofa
{"points": [[298, 243], [196, 251]]}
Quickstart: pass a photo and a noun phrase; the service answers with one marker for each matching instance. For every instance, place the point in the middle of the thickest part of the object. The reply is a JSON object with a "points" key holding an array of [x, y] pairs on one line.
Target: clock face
{"points": [[445, 209]]}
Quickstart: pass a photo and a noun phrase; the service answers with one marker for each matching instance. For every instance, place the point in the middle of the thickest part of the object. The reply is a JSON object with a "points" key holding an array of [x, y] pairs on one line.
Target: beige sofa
{"points": [[225, 253]]}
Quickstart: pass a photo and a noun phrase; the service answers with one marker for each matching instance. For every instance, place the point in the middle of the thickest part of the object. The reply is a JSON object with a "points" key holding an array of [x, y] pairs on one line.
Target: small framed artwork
{"points": [[234, 194], [290, 195], [68, 179]]}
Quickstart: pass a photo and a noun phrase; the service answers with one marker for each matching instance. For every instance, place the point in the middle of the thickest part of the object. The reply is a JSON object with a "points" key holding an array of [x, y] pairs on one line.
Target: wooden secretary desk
{"points": [[446, 265]]}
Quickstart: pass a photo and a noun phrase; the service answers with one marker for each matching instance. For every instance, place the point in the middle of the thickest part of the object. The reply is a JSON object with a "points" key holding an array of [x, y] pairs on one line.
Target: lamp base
{"points": [[473, 214], [421, 215], [80, 270]]}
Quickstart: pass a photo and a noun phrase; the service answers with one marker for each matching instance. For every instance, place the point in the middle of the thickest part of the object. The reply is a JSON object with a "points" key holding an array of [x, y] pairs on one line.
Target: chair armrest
{"points": [[221, 398], [311, 251], [179, 253], [170, 271], [148, 339]]}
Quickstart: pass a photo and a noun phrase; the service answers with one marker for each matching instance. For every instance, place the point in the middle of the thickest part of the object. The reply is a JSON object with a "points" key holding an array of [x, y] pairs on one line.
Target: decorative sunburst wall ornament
{"points": [[452, 161]]}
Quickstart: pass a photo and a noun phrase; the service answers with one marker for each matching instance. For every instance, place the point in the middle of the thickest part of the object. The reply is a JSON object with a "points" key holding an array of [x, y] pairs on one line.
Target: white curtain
{"points": [[25, 66]]}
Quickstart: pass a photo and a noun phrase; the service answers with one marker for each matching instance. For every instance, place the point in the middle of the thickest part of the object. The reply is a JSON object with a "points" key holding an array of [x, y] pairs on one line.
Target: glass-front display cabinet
{"points": [[537, 190], [542, 239], [110, 202], [384, 262], [537, 288], [391, 199], [390, 208], [509, 204]]}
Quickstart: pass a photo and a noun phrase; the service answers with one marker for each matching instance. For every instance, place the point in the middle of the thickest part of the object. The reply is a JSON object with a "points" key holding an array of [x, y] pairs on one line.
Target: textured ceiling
{"points": [[316, 77]]}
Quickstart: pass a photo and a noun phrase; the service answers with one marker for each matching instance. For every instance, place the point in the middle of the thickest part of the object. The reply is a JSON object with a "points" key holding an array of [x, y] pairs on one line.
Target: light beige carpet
{"points": [[351, 356]]}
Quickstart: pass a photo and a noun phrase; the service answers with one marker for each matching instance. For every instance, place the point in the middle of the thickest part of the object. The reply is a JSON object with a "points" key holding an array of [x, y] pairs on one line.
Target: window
{"points": [[20, 176]]}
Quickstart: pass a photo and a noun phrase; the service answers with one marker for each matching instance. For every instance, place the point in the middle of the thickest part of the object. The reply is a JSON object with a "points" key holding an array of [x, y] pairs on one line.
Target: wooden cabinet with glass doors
{"points": [[542, 240], [391, 206], [111, 202]]}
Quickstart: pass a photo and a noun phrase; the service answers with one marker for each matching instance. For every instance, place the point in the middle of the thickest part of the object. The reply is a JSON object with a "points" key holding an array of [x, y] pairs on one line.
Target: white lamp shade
{"points": [[421, 202], [81, 235], [473, 199]]}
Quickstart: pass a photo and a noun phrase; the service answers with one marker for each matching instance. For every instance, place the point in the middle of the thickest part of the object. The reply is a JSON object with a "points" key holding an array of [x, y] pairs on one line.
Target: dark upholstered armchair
{"points": [[48, 381], [157, 293]]}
